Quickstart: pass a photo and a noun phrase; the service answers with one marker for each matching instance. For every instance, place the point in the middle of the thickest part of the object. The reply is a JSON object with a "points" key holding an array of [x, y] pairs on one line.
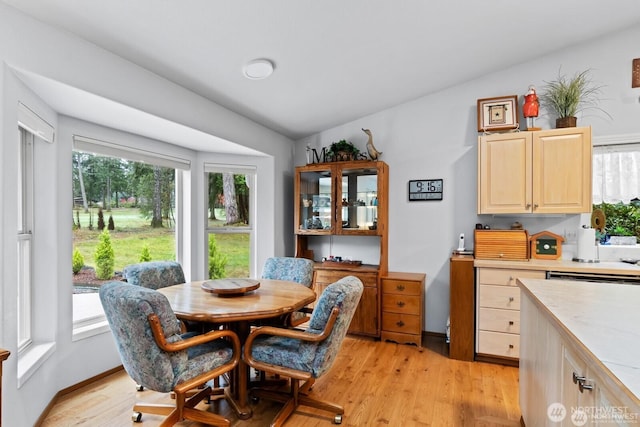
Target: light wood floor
{"points": [[378, 383]]}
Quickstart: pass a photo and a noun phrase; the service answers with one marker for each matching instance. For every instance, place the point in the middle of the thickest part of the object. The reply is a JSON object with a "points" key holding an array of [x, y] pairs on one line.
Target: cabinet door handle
{"points": [[535, 206], [400, 303], [400, 323], [400, 287], [528, 206], [583, 386], [578, 379]]}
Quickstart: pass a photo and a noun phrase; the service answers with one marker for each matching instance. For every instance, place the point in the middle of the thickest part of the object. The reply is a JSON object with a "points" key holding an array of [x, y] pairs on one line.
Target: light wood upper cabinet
{"points": [[546, 171]]}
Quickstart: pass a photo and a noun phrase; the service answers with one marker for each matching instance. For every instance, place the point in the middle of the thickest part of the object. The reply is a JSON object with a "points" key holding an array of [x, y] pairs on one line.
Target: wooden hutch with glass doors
{"points": [[348, 198]]}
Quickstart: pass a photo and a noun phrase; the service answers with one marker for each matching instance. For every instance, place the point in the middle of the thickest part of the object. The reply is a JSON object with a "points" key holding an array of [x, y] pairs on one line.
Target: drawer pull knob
{"points": [[400, 287], [511, 299], [400, 303], [510, 345], [510, 322], [400, 323]]}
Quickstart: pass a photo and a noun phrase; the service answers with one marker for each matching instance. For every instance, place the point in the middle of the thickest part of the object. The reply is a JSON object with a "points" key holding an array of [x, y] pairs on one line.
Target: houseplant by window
{"points": [[622, 223], [568, 96]]}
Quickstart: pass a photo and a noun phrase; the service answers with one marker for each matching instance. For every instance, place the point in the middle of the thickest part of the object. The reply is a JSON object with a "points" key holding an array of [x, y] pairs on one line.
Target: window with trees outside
{"points": [[229, 220], [616, 188], [123, 213]]}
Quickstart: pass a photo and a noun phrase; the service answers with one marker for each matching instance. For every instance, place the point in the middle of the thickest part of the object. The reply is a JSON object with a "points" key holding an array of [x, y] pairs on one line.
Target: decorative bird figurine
{"points": [[373, 153]]}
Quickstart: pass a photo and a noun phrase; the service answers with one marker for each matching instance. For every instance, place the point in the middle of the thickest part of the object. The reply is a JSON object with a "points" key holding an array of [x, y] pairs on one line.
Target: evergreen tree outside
{"points": [[100, 219], [77, 261], [217, 260], [145, 256], [104, 257]]}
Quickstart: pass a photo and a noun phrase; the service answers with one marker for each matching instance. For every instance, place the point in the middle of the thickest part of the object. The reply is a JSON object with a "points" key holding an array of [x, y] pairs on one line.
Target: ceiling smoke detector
{"points": [[258, 69]]}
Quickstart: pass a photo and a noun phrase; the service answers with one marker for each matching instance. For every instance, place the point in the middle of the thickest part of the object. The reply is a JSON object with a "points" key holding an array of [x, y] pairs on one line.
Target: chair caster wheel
{"points": [[337, 419], [139, 387], [136, 417]]}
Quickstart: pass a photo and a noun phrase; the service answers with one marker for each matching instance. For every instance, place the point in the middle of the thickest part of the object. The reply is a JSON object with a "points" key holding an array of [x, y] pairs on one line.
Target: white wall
{"points": [[32, 47], [435, 136]]}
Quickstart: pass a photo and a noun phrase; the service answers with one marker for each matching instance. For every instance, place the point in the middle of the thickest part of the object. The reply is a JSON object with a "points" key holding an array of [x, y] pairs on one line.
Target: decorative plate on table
{"points": [[230, 287]]}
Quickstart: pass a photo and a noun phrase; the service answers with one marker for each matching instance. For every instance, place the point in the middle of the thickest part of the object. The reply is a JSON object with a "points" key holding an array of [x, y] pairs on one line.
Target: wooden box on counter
{"points": [[501, 244]]}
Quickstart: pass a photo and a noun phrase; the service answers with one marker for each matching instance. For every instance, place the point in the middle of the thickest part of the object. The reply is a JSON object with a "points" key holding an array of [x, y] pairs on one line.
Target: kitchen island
{"points": [[579, 353]]}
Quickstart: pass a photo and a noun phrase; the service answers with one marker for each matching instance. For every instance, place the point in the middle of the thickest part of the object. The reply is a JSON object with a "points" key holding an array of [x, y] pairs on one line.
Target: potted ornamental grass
{"points": [[568, 96]]}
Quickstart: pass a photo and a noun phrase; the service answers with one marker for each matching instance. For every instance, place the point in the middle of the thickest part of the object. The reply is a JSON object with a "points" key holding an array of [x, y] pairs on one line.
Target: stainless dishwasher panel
{"points": [[594, 277]]}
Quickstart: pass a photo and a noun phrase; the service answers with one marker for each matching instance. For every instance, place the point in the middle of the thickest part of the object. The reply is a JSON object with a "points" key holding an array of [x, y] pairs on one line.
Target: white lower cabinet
{"points": [[578, 389], [561, 383], [498, 312]]}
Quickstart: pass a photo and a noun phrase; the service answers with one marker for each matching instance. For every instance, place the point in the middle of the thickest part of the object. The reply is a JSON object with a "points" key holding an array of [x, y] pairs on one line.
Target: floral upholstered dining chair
{"points": [[154, 274], [157, 356], [288, 268], [305, 355], [298, 270]]}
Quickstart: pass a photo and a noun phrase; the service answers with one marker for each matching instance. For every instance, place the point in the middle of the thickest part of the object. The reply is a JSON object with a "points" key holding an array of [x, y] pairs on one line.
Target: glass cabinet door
{"points": [[358, 201], [315, 201]]}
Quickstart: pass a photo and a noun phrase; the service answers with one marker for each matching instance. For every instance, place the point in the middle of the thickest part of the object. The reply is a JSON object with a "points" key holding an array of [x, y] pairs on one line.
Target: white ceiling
{"points": [[335, 60]]}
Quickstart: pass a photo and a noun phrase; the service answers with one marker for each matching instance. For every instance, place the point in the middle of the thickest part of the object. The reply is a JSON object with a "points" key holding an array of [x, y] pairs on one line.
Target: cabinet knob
{"points": [[510, 322], [511, 299], [528, 206], [535, 206], [400, 287], [510, 345], [400, 303], [400, 323]]}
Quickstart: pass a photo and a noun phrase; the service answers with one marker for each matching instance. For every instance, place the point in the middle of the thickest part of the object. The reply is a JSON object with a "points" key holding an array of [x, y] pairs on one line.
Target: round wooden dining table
{"points": [[272, 298]]}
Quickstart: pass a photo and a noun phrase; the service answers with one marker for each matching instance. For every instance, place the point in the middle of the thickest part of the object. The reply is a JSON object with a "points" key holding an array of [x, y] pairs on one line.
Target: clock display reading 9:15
{"points": [[425, 189]]}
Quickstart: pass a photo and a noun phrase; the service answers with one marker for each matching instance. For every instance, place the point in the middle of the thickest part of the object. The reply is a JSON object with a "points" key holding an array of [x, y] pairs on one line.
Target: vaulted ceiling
{"points": [[335, 60]]}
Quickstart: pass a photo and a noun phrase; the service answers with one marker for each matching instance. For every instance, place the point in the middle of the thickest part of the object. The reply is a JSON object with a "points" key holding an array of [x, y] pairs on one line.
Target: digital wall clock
{"points": [[425, 189]]}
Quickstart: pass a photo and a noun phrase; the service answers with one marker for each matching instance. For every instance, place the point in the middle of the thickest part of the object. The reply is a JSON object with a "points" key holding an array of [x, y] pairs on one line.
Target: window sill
{"points": [[32, 358], [90, 329]]}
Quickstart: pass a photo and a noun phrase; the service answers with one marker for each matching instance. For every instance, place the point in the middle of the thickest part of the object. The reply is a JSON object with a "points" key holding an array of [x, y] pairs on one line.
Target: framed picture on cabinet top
{"points": [[498, 113]]}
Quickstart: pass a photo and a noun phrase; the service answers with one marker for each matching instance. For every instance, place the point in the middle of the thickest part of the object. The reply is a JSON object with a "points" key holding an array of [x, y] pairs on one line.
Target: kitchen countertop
{"points": [[602, 318], [564, 265]]}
